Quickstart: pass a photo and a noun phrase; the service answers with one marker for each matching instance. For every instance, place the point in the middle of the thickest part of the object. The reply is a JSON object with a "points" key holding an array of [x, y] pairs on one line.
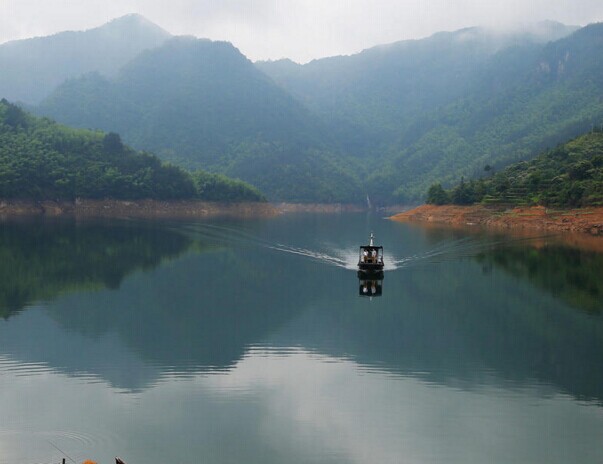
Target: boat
{"points": [[370, 259]]}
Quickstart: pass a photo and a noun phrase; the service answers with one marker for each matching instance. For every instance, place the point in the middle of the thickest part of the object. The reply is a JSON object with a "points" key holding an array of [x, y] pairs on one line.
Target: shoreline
{"points": [[142, 209], [162, 209], [327, 208], [582, 220]]}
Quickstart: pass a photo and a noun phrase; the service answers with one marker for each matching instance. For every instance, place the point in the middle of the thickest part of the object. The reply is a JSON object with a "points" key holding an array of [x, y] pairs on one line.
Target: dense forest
{"points": [[388, 122], [570, 174], [202, 104], [383, 89], [436, 109], [40, 159]]}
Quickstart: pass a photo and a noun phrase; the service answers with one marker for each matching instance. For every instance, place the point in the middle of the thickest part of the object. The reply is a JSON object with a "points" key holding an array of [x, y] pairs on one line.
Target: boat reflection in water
{"points": [[370, 285]]}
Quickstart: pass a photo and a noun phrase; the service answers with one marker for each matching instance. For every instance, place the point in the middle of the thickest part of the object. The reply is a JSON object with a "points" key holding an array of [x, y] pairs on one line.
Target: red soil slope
{"points": [[586, 220]]}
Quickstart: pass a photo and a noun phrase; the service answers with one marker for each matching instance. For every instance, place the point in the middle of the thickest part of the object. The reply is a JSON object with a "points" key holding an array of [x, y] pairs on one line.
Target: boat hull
{"points": [[370, 270], [370, 266]]}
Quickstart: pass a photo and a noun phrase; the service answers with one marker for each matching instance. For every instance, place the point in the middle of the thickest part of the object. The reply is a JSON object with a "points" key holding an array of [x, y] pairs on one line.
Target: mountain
{"points": [[41, 160], [526, 101], [443, 107], [389, 121], [384, 86], [203, 104], [571, 174], [32, 68]]}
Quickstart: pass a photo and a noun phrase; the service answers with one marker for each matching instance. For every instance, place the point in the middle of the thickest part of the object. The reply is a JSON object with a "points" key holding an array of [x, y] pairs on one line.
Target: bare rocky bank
{"points": [[134, 208], [162, 209], [583, 220]]}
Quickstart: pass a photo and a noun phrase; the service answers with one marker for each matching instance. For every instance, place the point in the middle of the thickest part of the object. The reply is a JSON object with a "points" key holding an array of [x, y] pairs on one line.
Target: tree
{"points": [[464, 193], [112, 143], [436, 195], [14, 116]]}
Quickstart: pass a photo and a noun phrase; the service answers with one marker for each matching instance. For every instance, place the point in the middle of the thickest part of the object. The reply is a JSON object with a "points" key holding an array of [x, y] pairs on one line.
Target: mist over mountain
{"points": [[443, 107], [525, 101], [32, 68], [387, 122], [382, 87], [200, 103]]}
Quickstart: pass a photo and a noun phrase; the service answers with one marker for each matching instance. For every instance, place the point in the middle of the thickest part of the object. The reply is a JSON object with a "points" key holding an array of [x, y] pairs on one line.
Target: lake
{"points": [[231, 341]]}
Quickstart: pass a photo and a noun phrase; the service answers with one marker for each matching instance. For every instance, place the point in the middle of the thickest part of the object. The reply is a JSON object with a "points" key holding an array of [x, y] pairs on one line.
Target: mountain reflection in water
{"points": [[488, 318], [42, 259]]}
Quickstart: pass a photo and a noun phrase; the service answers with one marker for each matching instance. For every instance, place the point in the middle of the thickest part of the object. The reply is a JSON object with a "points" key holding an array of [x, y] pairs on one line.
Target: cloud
{"points": [[294, 407], [298, 29]]}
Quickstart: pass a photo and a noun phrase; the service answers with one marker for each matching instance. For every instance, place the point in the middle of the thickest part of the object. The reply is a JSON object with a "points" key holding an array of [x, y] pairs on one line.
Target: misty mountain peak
{"points": [[185, 57], [131, 23], [538, 32], [48, 61]]}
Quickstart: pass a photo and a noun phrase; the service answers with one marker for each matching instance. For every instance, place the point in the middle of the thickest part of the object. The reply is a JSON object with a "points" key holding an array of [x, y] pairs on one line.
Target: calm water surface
{"points": [[248, 342]]}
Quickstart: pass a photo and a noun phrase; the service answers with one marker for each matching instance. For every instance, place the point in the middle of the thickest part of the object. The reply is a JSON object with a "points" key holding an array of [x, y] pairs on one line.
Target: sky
{"points": [[301, 30]]}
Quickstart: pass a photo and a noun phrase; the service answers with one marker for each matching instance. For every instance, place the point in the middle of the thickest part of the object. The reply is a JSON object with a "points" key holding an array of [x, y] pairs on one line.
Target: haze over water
{"points": [[231, 341]]}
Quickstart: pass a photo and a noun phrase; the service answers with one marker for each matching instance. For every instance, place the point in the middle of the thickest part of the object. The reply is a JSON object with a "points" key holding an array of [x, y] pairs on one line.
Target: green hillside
{"points": [[387, 122], [383, 89], [436, 109], [518, 111], [40, 159], [568, 175], [203, 104]]}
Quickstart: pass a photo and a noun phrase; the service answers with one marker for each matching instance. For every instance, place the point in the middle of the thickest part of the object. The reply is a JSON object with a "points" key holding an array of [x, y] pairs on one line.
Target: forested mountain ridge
{"points": [[381, 87], [443, 107], [519, 109], [389, 121], [569, 175], [42, 160], [202, 104], [32, 68]]}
